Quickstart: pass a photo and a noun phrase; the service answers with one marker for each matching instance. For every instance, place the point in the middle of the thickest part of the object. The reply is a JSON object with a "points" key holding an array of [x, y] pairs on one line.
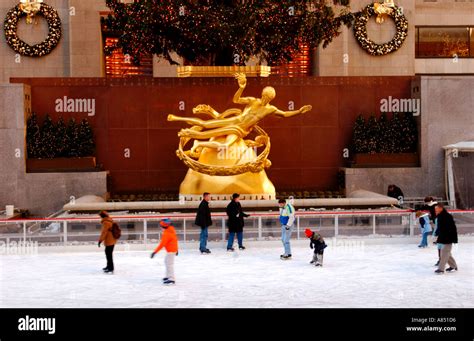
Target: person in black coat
{"points": [[447, 235], [203, 220], [235, 222], [395, 192]]}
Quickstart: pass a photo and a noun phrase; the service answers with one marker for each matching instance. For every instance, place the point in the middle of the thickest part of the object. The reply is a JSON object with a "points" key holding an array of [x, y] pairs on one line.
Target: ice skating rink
{"points": [[357, 273]]}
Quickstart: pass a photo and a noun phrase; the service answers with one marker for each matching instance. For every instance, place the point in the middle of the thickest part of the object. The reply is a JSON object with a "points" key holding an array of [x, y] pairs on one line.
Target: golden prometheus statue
{"points": [[223, 159]]}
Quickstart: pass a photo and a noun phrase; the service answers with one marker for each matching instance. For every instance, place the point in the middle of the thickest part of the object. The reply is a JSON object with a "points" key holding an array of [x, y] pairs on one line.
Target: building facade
{"points": [[434, 65], [440, 41]]}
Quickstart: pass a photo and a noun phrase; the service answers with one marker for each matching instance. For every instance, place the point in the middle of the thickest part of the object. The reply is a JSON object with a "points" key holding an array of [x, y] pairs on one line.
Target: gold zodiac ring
{"points": [[259, 164]]}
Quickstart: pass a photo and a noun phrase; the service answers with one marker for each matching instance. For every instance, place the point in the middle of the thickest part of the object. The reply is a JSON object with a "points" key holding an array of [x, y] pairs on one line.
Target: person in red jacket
{"points": [[318, 244], [169, 241]]}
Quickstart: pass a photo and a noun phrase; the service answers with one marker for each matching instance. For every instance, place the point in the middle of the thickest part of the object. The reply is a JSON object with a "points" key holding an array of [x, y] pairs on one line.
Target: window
{"points": [[300, 66], [119, 65], [444, 42]]}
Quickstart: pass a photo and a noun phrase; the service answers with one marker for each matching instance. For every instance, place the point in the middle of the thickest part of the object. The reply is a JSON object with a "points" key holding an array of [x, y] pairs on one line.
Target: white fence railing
{"points": [[259, 226]]}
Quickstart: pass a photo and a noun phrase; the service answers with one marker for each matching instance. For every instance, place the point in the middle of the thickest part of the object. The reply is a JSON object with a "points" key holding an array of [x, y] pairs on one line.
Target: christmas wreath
{"points": [[38, 50], [360, 30]]}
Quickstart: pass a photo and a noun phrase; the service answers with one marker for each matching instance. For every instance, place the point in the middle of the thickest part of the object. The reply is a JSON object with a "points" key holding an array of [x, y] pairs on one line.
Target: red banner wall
{"points": [[307, 150]]}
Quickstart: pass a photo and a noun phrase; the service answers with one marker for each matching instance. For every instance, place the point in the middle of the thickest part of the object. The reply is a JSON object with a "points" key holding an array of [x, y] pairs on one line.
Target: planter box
{"points": [[75, 164], [386, 160]]}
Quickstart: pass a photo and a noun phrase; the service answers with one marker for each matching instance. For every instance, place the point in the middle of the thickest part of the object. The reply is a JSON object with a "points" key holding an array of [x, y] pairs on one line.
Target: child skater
{"points": [[169, 241], [317, 243], [425, 227]]}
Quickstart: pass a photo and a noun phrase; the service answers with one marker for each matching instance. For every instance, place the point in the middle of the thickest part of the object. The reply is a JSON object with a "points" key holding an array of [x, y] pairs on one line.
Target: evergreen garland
{"points": [[38, 50], [360, 31]]}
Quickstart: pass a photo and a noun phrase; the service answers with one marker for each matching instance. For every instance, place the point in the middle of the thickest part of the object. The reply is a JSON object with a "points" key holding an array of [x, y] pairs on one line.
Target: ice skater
{"points": [[430, 205], [287, 219], [169, 241], [316, 242], [203, 220], [447, 235], [235, 222], [425, 226], [107, 237]]}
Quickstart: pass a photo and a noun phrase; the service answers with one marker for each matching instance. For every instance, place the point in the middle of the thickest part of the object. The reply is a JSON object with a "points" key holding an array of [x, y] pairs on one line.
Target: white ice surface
{"points": [[367, 274]]}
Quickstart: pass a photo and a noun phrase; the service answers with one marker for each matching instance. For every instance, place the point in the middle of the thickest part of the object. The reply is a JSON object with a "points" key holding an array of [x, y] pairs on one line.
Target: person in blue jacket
{"points": [[425, 226], [287, 220]]}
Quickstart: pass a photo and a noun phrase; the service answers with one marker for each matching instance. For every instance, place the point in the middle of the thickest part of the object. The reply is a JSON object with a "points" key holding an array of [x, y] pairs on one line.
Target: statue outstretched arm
{"points": [[242, 80], [302, 110]]}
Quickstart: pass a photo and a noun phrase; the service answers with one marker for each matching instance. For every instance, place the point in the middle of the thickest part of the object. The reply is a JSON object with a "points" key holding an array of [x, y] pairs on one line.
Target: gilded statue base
{"points": [[255, 184], [248, 185]]}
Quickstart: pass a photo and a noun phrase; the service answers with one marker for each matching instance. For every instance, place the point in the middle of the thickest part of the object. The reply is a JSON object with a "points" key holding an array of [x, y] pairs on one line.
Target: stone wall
{"points": [[40, 193], [445, 13], [447, 116], [56, 64], [79, 54], [344, 56]]}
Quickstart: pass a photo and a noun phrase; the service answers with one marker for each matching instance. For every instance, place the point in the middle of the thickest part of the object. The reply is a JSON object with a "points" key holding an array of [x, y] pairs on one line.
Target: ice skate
{"points": [[319, 260]]}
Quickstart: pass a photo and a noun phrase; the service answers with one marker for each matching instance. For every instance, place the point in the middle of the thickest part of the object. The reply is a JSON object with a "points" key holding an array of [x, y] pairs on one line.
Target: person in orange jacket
{"points": [[169, 241], [108, 239]]}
